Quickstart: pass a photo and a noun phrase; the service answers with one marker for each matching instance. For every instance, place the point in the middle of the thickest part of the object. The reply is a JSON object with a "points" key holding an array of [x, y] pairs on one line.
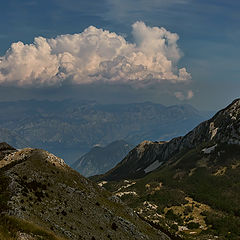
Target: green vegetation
{"points": [[49, 199], [223, 225], [211, 180], [11, 226], [166, 197], [193, 225]]}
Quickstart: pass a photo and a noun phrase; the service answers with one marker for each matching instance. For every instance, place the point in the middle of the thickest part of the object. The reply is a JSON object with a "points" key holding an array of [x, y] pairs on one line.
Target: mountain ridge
{"points": [[213, 130], [100, 159], [189, 185], [43, 198], [71, 128]]}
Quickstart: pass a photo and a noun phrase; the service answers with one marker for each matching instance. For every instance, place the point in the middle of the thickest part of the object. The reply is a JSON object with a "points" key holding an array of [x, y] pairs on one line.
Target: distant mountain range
{"points": [[12, 138], [43, 198], [71, 128], [101, 159], [189, 185]]}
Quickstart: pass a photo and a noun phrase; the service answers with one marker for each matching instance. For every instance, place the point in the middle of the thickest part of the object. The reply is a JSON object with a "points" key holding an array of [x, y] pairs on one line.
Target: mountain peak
{"points": [[223, 127], [232, 109], [236, 101], [100, 159], [191, 181], [36, 155]]}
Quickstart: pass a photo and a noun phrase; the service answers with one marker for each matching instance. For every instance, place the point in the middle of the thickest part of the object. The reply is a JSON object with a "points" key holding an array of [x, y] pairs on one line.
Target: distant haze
{"points": [[121, 51], [70, 128]]}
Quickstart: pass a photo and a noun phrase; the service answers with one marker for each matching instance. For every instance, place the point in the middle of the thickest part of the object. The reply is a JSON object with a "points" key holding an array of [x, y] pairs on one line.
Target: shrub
{"points": [[193, 225], [114, 226]]}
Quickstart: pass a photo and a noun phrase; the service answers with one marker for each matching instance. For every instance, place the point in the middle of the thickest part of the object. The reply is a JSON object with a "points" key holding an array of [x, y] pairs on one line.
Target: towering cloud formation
{"points": [[95, 55]]}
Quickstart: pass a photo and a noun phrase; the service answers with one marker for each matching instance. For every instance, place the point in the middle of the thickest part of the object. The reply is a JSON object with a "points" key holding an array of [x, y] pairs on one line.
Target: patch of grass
{"points": [[9, 226], [217, 191], [193, 225], [221, 193], [189, 160], [227, 226]]}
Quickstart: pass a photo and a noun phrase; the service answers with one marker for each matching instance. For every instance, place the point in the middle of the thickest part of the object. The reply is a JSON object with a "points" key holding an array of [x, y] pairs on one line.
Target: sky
{"points": [[120, 51]]}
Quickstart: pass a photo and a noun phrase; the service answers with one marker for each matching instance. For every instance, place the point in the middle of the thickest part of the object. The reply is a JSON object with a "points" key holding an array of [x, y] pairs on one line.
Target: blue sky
{"points": [[209, 37]]}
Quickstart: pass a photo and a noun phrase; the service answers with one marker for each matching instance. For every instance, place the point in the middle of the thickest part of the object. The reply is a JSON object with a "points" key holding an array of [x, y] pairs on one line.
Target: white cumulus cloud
{"points": [[181, 96], [95, 55]]}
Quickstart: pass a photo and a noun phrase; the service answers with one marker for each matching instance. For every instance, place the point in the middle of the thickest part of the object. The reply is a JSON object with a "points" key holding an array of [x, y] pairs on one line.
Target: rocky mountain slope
{"points": [[221, 128], [190, 185], [43, 198], [101, 159], [71, 128]]}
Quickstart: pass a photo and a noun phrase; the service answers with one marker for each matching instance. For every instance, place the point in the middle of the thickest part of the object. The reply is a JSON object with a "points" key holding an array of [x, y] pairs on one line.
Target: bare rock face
{"points": [[224, 127], [49, 200]]}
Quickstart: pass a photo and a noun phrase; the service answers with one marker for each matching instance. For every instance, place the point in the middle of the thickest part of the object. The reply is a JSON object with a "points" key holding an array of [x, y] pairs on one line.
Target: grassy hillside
{"points": [[195, 195], [43, 198]]}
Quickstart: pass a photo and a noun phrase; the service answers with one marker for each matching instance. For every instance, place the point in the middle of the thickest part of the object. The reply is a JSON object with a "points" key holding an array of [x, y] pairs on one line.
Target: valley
{"points": [[70, 128], [194, 192]]}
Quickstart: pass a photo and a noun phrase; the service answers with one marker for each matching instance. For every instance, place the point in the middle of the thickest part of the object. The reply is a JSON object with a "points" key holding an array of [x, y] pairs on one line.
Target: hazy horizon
{"points": [[167, 52]]}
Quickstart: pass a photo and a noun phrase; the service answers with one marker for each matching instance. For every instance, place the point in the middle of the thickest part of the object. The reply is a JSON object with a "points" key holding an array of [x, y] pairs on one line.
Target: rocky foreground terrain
{"points": [[43, 198], [189, 186]]}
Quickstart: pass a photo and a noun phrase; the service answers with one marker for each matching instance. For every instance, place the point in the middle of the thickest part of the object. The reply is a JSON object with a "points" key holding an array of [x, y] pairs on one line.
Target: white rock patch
{"points": [[120, 194], [141, 147], [153, 166], [209, 150], [212, 130], [150, 205], [102, 183], [126, 186], [54, 159]]}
